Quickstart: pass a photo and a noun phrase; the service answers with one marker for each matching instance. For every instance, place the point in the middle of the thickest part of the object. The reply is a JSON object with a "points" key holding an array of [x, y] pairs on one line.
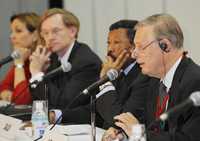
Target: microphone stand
{"points": [[46, 95], [93, 117]]}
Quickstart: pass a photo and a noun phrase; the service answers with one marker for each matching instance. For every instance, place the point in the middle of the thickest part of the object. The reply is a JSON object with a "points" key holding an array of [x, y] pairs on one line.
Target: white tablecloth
{"points": [[65, 133]]}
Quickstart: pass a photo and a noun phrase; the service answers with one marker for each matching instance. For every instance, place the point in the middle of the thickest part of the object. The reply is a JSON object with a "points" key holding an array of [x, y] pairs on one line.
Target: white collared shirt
{"points": [[167, 81], [65, 57]]}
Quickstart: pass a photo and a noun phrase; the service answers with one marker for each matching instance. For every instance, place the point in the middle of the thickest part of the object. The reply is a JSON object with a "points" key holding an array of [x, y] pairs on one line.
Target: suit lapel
{"points": [[73, 52], [152, 97], [126, 82], [175, 90]]}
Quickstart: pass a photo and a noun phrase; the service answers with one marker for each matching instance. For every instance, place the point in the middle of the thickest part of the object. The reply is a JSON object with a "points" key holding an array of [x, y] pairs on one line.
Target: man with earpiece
{"points": [[160, 54]]}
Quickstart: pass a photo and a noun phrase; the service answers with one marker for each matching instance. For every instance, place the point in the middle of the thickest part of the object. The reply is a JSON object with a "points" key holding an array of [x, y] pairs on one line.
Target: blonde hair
{"points": [[164, 26], [69, 19]]}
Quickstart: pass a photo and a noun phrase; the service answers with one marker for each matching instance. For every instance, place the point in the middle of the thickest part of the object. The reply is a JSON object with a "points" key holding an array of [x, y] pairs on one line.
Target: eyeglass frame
{"points": [[54, 32], [147, 45]]}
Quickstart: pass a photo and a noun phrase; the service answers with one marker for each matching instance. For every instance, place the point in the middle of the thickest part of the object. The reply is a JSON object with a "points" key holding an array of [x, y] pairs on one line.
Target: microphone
{"points": [[65, 67], [193, 100], [111, 75], [14, 55]]}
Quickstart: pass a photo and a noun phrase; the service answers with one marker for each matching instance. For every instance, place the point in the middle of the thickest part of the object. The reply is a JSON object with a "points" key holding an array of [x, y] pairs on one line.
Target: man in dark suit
{"points": [[159, 51], [125, 93], [59, 30]]}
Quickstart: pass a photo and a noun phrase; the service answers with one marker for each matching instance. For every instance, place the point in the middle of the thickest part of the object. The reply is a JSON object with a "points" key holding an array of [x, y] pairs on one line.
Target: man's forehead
{"points": [[52, 21], [121, 32], [143, 33]]}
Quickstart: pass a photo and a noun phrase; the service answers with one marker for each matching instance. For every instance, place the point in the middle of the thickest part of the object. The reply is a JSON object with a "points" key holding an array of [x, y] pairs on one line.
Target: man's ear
{"points": [[73, 31]]}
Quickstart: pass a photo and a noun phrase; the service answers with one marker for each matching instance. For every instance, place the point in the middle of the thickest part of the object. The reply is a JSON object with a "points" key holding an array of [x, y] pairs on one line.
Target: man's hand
{"points": [[52, 117], [39, 60], [126, 121], [111, 64], [112, 134]]}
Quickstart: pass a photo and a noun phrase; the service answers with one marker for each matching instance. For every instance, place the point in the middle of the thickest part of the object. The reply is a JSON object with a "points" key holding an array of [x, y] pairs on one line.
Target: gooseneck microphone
{"points": [[65, 67], [193, 100], [111, 75], [14, 55]]}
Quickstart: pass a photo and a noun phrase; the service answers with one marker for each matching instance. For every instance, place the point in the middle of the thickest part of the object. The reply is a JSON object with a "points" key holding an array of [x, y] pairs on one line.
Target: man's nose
{"points": [[12, 36], [134, 53]]}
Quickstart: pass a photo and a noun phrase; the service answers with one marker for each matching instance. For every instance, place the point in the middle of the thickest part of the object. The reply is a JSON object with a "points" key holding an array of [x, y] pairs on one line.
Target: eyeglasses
{"points": [[53, 32], [145, 46]]}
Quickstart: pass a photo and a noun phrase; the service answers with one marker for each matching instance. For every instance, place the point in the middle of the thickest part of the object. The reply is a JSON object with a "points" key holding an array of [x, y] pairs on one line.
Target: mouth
{"points": [[51, 45]]}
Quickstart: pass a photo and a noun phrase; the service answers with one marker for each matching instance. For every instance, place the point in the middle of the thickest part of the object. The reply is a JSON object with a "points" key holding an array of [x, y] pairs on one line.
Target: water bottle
{"points": [[39, 118], [138, 133]]}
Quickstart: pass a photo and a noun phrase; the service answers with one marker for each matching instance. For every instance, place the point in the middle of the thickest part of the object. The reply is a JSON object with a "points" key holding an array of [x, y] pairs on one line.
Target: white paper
{"points": [[8, 127], [76, 132]]}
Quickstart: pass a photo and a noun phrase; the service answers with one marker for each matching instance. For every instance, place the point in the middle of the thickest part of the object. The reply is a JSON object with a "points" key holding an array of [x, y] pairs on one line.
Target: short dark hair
{"points": [[126, 24]]}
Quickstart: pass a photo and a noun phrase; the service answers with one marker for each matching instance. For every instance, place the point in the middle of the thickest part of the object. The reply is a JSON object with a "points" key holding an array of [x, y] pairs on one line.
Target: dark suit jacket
{"points": [[64, 87], [129, 96], [183, 125]]}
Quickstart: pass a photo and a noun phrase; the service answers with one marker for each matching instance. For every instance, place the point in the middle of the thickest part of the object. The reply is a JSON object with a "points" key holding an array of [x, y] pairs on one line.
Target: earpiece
{"points": [[163, 46]]}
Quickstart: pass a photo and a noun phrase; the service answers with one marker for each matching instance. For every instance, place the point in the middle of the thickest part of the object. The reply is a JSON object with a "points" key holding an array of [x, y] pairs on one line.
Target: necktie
{"points": [[162, 93], [161, 100]]}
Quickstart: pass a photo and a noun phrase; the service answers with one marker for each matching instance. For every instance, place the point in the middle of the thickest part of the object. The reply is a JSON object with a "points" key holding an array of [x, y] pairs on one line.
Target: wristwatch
{"points": [[19, 65]]}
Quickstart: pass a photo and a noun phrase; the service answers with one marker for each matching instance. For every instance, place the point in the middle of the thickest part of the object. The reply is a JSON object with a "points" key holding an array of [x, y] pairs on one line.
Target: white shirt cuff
{"points": [[58, 113], [35, 79]]}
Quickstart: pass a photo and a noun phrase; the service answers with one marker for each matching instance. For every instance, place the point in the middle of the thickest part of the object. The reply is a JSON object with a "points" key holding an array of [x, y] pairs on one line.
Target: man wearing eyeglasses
{"points": [[59, 30], [160, 54]]}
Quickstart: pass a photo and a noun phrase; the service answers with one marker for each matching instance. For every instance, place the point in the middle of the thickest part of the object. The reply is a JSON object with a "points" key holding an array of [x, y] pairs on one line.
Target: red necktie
{"points": [[162, 100]]}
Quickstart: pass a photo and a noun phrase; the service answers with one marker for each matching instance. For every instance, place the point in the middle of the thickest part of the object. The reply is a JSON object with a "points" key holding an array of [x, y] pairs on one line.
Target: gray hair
{"points": [[164, 26]]}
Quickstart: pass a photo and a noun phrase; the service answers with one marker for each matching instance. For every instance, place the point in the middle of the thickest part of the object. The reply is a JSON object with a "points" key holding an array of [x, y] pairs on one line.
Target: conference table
{"points": [[65, 133], [12, 119], [81, 132], [11, 130]]}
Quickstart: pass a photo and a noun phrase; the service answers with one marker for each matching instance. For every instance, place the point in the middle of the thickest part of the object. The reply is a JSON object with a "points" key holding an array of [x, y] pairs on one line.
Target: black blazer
{"points": [[129, 96], [64, 87], [183, 125]]}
